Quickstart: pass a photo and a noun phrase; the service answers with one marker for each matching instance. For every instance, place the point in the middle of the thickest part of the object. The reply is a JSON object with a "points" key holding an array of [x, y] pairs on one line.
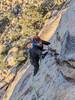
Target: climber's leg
{"points": [[36, 68], [35, 55]]}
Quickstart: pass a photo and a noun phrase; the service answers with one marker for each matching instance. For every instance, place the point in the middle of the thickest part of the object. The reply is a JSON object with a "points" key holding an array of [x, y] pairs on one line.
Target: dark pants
{"points": [[35, 55]]}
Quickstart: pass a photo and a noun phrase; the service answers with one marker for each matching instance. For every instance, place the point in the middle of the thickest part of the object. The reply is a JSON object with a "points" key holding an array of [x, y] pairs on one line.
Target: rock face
{"points": [[53, 81]]}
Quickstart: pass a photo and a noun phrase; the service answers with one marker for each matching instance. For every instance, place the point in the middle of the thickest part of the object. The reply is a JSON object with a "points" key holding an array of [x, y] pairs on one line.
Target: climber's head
{"points": [[37, 38], [37, 42]]}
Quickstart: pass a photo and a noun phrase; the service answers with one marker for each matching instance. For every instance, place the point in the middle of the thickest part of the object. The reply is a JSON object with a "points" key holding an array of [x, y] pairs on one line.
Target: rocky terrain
{"points": [[55, 79], [20, 19]]}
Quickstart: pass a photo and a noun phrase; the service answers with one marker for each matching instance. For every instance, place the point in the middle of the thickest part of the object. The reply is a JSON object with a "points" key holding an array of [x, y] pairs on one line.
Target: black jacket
{"points": [[43, 43]]}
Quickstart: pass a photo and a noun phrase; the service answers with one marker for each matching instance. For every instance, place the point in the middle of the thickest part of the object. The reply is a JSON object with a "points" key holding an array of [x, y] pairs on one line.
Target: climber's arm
{"points": [[45, 42]]}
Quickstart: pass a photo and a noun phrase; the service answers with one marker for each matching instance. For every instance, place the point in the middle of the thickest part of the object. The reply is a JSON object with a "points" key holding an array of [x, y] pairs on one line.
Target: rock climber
{"points": [[35, 52]]}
